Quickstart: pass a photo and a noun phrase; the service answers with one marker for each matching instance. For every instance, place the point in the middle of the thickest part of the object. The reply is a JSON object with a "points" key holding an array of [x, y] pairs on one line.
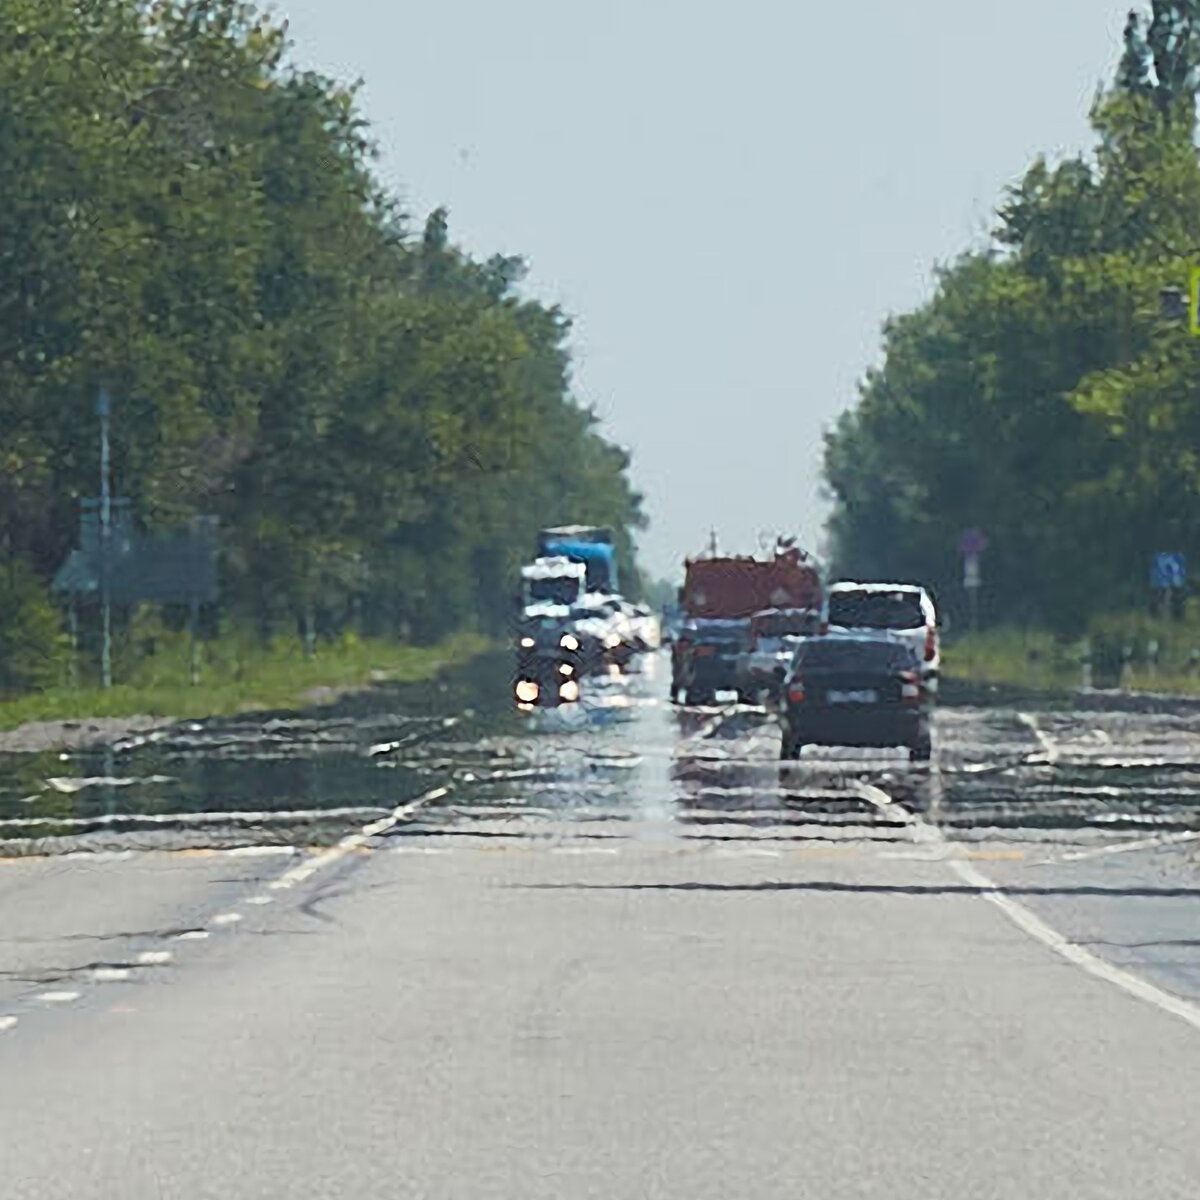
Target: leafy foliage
{"points": [[380, 422], [1038, 395]]}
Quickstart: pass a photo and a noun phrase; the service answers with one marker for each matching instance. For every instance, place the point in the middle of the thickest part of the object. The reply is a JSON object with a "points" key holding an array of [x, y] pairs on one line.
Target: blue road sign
{"points": [[1168, 570]]}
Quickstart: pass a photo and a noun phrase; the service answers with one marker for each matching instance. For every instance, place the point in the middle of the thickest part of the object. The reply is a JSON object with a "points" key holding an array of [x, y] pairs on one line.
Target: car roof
{"points": [[849, 586]]}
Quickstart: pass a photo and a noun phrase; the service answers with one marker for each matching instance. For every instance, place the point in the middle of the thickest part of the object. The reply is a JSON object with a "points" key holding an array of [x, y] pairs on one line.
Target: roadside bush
{"points": [[33, 645]]}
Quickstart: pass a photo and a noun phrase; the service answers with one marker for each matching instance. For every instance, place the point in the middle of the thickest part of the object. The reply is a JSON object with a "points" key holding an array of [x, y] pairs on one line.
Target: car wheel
{"points": [[790, 747], [921, 751], [674, 692]]}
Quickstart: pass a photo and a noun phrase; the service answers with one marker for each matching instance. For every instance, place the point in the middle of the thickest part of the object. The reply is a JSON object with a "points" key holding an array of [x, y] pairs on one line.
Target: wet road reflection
{"points": [[622, 765]]}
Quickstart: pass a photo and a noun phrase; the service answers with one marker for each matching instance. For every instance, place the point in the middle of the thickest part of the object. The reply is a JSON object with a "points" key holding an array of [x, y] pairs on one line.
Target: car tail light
{"points": [[930, 644], [796, 693], [910, 687]]}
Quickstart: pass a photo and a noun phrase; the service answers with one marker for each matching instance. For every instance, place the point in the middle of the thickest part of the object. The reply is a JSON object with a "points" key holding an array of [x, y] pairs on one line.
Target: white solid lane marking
{"points": [[355, 841], [1100, 968], [110, 974], [7, 1023], [154, 958], [228, 918], [1033, 925], [58, 997], [260, 900], [192, 935]]}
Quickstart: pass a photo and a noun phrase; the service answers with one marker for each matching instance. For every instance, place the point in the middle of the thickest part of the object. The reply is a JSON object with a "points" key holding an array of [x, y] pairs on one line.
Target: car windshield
{"points": [[558, 589], [844, 654], [876, 610]]}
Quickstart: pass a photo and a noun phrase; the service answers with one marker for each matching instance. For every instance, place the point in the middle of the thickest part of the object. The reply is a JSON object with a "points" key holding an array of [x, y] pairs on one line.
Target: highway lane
{"points": [[636, 957]]}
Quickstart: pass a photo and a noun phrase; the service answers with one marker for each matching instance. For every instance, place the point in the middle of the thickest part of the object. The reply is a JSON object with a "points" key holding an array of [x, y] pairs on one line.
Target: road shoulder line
{"points": [[1031, 924]]}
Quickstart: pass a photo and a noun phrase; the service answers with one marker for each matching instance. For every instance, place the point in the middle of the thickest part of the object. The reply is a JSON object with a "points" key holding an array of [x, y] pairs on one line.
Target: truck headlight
{"points": [[527, 691], [569, 641], [566, 669], [612, 641], [569, 691], [527, 643]]}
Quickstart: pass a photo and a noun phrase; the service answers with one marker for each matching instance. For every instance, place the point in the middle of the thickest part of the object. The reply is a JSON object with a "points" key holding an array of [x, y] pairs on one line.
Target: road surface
{"points": [[632, 959]]}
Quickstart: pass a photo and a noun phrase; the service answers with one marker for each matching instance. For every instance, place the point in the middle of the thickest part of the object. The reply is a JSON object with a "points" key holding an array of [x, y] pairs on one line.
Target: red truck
{"points": [[718, 597]]}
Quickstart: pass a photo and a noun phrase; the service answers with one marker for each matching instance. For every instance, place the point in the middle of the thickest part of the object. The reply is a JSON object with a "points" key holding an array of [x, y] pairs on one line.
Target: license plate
{"points": [[863, 697]]}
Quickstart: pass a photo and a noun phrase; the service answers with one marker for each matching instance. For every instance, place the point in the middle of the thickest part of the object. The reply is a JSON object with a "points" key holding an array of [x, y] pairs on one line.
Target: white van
{"points": [[903, 611]]}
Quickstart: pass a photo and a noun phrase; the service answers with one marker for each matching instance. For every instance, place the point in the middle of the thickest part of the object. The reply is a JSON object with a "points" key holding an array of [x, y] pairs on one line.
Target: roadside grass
{"points": [[1022, 658], [1130, 651], [239, 674]]}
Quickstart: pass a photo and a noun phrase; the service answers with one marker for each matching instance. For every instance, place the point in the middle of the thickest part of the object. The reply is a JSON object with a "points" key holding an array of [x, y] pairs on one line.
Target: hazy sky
{"points": [[728, 197]]}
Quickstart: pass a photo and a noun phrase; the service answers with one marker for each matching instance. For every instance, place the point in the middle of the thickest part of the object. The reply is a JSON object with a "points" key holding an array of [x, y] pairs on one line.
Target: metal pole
{"points": [[102, 411], [195, 625]]}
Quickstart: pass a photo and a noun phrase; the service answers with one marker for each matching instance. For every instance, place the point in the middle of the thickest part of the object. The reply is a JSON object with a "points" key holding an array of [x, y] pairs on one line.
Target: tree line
{"points": [[379, 421], [1042, 394]]}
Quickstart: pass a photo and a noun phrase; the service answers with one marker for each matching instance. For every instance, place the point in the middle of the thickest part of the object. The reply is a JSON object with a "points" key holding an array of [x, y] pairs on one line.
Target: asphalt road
{"points": [[637, 958]]}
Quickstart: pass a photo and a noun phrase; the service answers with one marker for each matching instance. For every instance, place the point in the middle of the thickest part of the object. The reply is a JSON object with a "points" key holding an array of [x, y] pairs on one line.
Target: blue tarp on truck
{"points": [[586, 544]]}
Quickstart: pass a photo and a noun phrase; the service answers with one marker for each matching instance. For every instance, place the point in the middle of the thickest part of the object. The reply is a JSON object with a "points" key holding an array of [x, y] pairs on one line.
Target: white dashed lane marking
{"points": [[7, 1023], [58, 997], [227, 918], [355, 841], [154, 958], [192, 935], [110, 974]]}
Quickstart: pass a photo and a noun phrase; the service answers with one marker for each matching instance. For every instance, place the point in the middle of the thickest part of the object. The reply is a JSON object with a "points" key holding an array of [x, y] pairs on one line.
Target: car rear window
{"points": [[786, 624], [837, 654], [876, 610]]}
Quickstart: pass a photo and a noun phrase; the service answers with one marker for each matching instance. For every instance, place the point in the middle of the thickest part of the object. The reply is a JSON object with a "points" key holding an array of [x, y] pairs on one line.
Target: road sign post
{"points": [[1168, 584], [971, 546], [102, 411]]}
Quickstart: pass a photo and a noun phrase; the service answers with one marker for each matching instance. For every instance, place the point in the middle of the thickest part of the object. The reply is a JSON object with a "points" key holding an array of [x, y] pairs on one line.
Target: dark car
{"points": [[705, 659], [551, 658], [848, 691]]}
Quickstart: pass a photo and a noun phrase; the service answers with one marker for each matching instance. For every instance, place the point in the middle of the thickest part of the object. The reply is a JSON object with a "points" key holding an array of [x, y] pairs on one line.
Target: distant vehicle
{"points": [[645, 626], [589, 545], [903, 610], [720, 595], [775, 634], [551, 660], [551, 583], [856, 691], [705, 659]]}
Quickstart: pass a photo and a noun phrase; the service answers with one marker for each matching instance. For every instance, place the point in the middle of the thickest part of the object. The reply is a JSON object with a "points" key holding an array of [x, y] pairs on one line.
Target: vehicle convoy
{"points": [[719, 598], [572, 622], [856, 691], [902, 610]]}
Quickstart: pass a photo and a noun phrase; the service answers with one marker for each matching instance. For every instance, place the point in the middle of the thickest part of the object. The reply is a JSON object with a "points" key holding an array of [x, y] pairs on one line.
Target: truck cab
{"points": [[551, 584]]}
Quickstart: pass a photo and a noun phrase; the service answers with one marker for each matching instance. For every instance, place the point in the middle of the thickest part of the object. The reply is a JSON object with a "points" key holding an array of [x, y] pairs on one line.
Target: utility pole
{"points": [[712, 544], [102, 411]]}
